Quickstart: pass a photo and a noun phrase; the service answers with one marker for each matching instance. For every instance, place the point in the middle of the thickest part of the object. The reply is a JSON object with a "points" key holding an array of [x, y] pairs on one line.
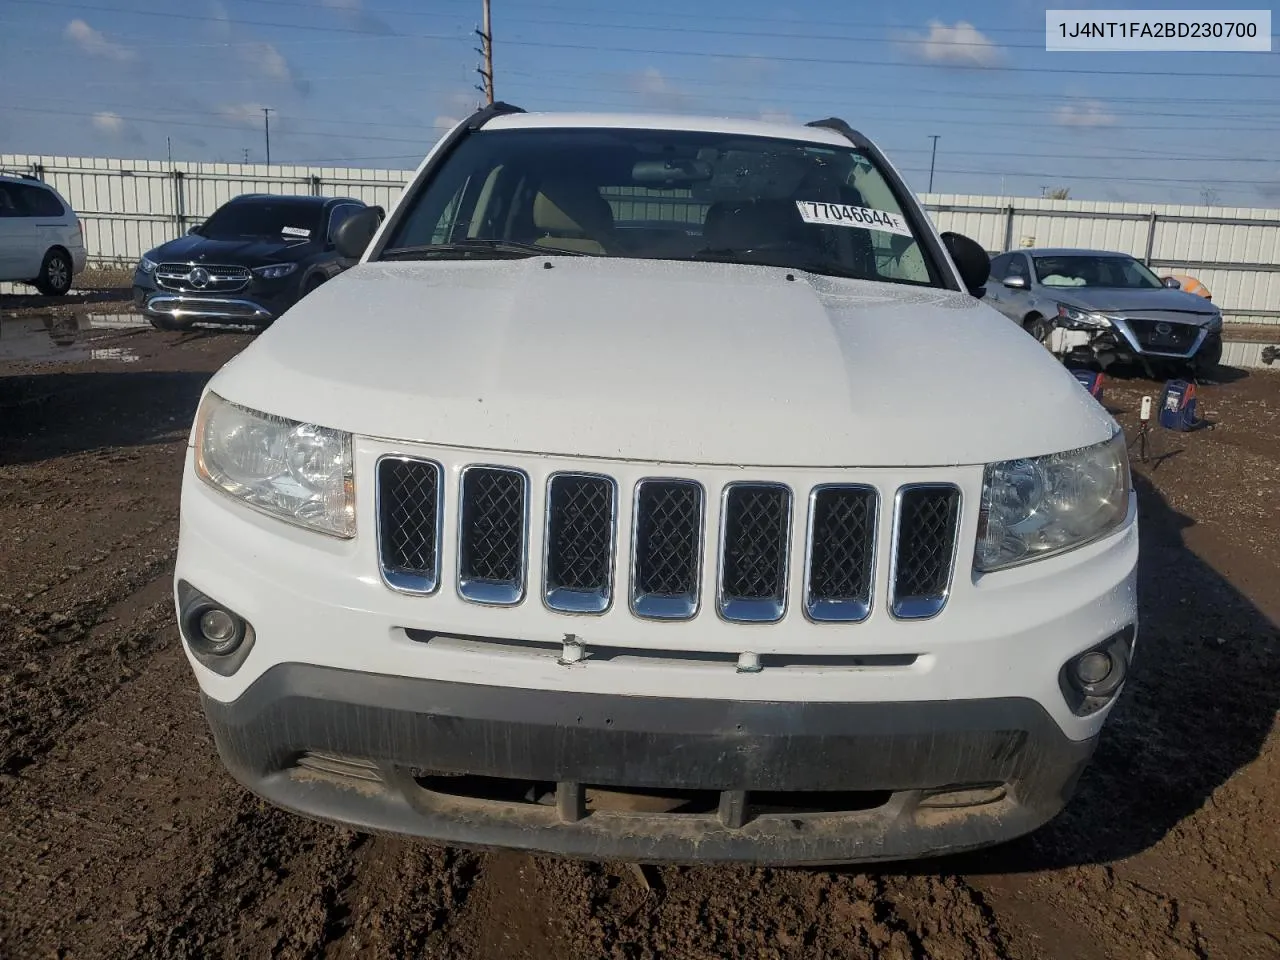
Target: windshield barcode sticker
{"points": [[844, 215], [295, 232]]}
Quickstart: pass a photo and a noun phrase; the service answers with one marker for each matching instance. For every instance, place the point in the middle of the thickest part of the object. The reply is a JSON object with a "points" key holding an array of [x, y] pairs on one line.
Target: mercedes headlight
{"points": [[1040, 506], [298, 472], [1069, 316], [275, 271], [146, 265]]}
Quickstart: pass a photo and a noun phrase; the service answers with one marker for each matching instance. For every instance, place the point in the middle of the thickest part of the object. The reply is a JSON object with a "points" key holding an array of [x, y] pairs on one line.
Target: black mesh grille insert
{"points": [[579, 533], [842, 554], [408, 508], [668, 516], [926, 542], [756, 523], [491, 546]]}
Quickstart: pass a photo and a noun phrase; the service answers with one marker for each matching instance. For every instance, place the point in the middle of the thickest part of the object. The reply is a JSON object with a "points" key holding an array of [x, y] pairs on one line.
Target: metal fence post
{"points": [[1008, 227], [315, 185], [37, 170], [179, 202], [1151, 237]]}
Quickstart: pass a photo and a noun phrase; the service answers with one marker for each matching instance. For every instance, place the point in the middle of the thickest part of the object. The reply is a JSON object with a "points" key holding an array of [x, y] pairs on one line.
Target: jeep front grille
{"points": [[666, 549], [755, 534], [924, 550], [492, 531], [579, 543], [842, 553], [409, 519]]}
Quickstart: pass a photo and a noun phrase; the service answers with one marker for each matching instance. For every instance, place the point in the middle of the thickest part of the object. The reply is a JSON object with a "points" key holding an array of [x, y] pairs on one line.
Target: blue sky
{"points": [[371, 82]]}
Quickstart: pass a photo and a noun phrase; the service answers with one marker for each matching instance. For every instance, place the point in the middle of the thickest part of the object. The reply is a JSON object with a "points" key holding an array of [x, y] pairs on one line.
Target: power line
{"points": [[556, 45]]}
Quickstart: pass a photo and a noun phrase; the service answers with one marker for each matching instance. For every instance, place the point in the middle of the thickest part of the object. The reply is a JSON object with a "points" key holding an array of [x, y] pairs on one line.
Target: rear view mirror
{"points": [[352, 237], [671, 171], [1016, 282], [971, 260], [194, 230], [1172, 283]]}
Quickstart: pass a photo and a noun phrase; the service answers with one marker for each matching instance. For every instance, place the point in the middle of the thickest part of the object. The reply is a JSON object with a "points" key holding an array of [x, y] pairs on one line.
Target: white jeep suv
{"points": [[41, 238], [657, 488]]}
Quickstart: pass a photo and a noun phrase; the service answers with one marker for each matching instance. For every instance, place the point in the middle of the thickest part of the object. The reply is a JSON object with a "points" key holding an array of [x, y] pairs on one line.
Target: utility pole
{"points": [[932, 158], [246, 154], [486, 50], [266, 130]]}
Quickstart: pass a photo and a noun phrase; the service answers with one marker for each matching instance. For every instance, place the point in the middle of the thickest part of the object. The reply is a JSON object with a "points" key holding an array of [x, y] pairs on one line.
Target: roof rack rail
{"points": [[487, 113], [20, 175]]}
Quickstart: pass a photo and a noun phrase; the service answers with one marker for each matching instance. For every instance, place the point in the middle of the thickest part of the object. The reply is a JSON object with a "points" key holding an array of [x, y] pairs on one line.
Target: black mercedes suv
{"points": [[251, 260]]}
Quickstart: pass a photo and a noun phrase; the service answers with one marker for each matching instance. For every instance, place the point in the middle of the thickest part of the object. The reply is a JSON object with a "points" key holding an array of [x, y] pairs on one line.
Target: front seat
{"points": [[571, 215]]}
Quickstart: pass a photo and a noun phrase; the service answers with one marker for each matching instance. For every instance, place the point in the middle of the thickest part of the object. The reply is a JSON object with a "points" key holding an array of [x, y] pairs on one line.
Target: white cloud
{"points": [[962, 45], [245, 114], [268, 61], [221, 19], [1089, 113], [656, 92], [115, 127], [109, 123], [95, 44]]}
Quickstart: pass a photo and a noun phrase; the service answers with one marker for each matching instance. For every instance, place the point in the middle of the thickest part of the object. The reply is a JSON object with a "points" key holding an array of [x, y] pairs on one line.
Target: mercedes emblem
{"points": [[199, 277], [1163, 329]]}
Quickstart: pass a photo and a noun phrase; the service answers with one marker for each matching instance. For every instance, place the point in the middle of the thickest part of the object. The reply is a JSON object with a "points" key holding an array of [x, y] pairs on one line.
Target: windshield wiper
{"points": [[496, 249]]}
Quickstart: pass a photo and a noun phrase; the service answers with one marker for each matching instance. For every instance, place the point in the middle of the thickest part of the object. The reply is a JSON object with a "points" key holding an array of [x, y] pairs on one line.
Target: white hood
{"points": [[697, 363]]}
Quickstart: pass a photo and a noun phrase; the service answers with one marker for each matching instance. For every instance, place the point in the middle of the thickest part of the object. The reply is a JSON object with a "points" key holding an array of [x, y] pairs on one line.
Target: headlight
{"points": [[147, 266], [1215, 323], [1040, 506], [296, 471], [1073, 317], [275, 271]]}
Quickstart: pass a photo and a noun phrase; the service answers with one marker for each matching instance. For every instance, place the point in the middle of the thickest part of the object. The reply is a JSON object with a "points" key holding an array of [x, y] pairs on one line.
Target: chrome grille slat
{"points": [[841, 542], [581, 522], [493, 527], [666, 549], [223, 278], [926, 524], [755, 535], [410, 511]]}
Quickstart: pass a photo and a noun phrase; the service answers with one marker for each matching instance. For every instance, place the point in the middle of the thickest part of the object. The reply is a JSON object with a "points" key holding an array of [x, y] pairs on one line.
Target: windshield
{"points": [[1087, 271], [287, 221], [668, 195]]}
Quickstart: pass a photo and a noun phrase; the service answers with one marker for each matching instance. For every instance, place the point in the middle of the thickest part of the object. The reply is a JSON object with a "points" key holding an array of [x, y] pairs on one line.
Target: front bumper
{"points": [[260, 302], [647, 778], [350, 690]]}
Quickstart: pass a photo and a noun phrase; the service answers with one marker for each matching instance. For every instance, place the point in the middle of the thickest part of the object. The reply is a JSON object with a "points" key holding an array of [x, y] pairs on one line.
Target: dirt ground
{"points": [[124, 838]]}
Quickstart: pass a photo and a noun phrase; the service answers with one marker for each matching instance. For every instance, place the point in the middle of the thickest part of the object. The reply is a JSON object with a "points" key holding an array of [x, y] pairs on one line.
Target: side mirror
{"points": [[1172, 283], [971, 260], [1016, 282], [194, 230], [352, 237]]}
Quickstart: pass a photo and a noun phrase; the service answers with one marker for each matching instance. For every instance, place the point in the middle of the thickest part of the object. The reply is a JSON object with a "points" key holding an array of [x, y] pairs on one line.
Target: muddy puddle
{"points": [[69, 338]]}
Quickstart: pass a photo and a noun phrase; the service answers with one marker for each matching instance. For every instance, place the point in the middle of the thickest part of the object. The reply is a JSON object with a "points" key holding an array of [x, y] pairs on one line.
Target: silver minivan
{"points": [[41, 238]]}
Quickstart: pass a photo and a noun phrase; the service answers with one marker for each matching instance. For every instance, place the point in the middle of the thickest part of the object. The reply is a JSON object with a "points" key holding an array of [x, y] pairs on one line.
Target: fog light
{"points": [[217, 626], [217, 636], [1091, 679], [1093, 667]]}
